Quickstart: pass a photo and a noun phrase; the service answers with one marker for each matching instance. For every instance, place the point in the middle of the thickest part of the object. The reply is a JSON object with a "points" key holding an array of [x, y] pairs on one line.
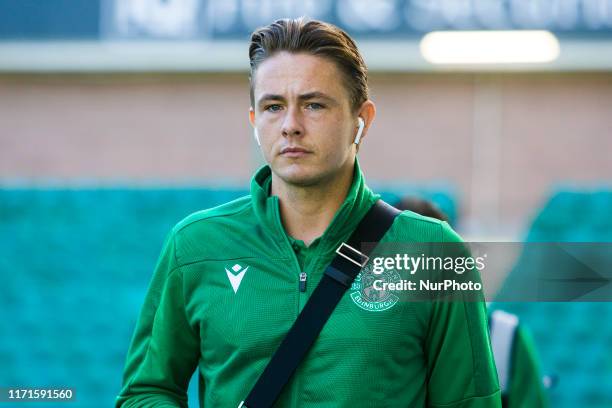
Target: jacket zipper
{"points": [[298, 386], [303, 277]]}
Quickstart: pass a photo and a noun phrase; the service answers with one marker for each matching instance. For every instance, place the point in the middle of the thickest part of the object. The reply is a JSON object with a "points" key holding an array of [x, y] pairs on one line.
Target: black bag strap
{"points": [[338, 277]]}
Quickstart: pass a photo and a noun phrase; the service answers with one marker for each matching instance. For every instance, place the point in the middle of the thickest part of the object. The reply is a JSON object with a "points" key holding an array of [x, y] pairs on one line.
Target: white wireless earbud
{"points": [[256, 135], [360, 130]]}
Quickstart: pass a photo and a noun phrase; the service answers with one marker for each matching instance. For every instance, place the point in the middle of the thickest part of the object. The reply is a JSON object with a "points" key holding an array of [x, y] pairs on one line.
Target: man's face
{"points": [[303, 117]]}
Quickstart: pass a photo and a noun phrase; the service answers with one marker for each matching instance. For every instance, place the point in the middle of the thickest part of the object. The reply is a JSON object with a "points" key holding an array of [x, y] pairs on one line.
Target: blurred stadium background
{"points": [[120, 117]]}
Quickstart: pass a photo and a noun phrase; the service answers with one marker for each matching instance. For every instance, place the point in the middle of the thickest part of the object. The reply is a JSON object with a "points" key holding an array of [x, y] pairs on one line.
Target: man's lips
{"points": [[294, 152]]}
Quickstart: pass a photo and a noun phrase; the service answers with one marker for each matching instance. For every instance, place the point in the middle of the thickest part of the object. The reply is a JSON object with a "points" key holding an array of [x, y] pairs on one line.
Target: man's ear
{"points": [[367, 112]]}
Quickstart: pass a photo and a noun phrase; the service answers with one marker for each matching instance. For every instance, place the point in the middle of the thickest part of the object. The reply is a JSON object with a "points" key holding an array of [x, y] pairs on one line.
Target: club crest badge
{"points": [[364, 294]]}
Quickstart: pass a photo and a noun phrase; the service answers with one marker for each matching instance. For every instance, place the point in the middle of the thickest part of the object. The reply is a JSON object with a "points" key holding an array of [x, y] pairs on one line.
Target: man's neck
{"points": [[307, 211]]}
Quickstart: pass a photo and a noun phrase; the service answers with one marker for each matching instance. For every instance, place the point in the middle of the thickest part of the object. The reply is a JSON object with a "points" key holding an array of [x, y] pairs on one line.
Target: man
{"points": [[231, 280]]}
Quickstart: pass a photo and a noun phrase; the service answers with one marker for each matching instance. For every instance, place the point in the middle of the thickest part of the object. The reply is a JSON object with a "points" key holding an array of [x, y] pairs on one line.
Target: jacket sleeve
{"points": [[164, 350], [461, 369]]}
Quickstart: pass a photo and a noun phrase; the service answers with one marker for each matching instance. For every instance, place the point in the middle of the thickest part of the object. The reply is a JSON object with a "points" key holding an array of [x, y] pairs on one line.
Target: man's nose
{"points": [[292, 123]]}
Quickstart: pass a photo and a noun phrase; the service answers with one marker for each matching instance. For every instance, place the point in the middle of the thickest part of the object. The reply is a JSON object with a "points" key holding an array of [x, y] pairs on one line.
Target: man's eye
{"points": [[315, 106], [273, 108]]}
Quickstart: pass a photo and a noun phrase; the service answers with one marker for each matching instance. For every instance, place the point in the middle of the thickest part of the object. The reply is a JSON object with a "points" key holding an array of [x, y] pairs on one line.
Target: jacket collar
{"points": [[357, 202]]}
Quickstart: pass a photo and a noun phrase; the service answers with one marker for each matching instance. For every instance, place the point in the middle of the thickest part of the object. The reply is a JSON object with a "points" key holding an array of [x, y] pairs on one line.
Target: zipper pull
{"points": [[303, 277]]}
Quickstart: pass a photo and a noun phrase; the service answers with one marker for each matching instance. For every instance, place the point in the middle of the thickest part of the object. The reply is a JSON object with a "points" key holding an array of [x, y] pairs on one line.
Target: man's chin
{"points": [[298, 175]]}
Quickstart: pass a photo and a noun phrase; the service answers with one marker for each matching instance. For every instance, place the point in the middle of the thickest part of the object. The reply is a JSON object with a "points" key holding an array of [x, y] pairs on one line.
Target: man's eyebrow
{"points": [[316, 95], [271, 97]]}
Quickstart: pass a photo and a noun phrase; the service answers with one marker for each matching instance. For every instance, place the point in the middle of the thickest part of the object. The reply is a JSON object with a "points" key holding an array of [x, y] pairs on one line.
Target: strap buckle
{"points": [[353, 255]]}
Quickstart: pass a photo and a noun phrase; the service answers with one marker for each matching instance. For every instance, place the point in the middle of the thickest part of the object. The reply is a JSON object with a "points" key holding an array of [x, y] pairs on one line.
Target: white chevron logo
{"points": [[236, 279]]}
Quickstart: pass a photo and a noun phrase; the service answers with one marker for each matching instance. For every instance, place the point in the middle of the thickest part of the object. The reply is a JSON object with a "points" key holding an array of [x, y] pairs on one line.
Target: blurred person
{"points": [[421, 206], [516, 359], [231, 280]]}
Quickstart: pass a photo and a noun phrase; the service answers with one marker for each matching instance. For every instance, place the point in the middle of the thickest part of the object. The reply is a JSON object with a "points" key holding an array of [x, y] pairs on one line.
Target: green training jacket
{"points": [[226, 289]]}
